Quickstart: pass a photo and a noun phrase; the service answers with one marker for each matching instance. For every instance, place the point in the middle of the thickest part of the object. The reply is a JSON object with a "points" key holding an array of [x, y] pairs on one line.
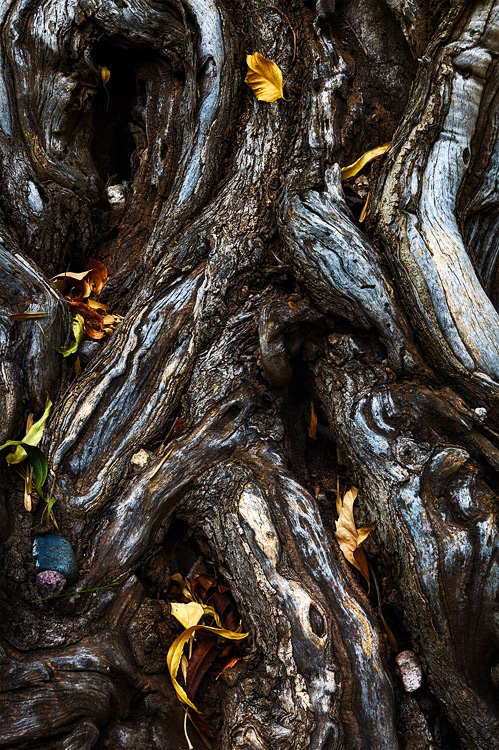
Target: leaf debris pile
{"points": [[81, 290], [212, 632]]}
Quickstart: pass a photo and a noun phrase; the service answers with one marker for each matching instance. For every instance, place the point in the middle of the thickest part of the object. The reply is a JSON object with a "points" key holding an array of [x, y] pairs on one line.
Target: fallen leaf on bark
{"points": [[73, 284], [211, 643], [201, 660], [264, 77], [81, 290], [105, 74], [28, 315], [229, 665], [361, 162], [349, 537], [27, 448], [364, 210], [98, 275]]}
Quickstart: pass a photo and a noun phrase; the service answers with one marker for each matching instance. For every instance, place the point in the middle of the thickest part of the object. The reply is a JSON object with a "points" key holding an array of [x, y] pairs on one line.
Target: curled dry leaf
{"points": [[98, 275], [264, 77], [349, 537], [176, 651], [360, 163], [73, 284]]}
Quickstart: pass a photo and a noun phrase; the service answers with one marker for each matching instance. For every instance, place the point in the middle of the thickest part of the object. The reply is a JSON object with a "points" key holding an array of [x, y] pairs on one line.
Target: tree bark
{"points": [[248, 289]]}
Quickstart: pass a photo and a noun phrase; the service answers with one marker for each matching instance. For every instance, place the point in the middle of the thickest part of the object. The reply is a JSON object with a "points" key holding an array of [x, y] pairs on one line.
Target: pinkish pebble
{"points": [[50, 582]]}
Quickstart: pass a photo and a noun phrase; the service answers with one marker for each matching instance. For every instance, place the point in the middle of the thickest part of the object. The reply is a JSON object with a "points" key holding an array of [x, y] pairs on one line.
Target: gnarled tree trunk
{"points": [[248, 289]]}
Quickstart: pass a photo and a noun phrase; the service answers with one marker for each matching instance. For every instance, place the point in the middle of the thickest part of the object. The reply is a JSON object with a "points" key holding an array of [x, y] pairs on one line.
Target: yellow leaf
{"points": [[349, 537], [373, 153], [176, 651], [105, 74], [264, 77], [28, 315], [312, 432], [173, 660], [213, 613], [187, 614]]}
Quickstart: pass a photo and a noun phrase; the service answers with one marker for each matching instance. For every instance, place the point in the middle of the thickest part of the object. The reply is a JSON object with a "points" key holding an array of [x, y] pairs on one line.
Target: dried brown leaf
{"points": [[97, 275], [349, 537], [73, 284]]}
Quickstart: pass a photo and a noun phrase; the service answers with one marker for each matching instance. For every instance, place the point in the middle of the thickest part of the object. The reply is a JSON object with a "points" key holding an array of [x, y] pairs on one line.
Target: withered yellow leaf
{"points": [[105, 74], [175, 653], [349, 537], [312, 432], [361, 162], [187, 614], [264, 77]]}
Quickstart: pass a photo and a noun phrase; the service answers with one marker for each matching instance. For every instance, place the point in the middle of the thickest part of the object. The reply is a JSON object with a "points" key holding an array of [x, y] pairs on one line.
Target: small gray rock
{"points": [[87, 351]]}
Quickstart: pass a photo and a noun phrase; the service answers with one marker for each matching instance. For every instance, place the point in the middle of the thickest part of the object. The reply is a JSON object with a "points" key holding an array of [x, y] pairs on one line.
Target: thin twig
{"points": [[274, 7], [158, 467], [73, 593], [54, 521], [376, 584], [357, 38]]}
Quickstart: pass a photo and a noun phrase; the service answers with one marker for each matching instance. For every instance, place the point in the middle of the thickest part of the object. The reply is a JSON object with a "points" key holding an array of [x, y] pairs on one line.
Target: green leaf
{"points": [[38, 461], [32, 437], [78, 334]]}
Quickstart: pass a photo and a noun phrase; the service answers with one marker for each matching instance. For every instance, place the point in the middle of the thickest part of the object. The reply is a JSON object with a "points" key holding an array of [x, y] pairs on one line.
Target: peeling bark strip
{"points": [[417, 205], [248, 290]]}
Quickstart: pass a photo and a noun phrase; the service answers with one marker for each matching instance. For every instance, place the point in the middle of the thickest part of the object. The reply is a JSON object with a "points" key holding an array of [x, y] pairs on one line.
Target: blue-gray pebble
{"points": [[53, 552], [88, 350]]}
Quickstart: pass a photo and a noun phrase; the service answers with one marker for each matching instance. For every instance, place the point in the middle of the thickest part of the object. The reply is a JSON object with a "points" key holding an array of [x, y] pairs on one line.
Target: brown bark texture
{"points": [[248, 290]]}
